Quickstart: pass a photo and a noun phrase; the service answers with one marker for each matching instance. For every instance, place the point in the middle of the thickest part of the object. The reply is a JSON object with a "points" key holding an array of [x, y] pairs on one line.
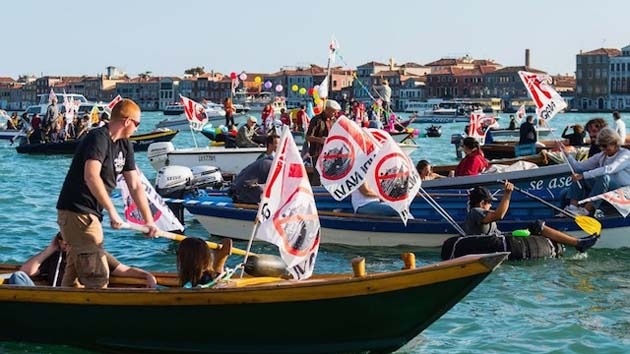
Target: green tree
{"points": [[198, 70]]}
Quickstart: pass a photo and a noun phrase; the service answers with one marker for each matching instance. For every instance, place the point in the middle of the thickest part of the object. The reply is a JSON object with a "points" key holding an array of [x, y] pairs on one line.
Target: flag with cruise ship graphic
{"points": [[195, 113], [548, 101]]}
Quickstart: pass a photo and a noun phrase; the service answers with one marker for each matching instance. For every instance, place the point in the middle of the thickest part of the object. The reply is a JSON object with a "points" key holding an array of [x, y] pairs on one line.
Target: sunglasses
{"points": [[603, 146], [136, 123]]}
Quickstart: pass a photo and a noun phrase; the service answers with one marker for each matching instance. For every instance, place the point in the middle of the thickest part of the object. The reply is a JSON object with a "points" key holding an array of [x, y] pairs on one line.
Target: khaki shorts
{"points": [[86, 263]]}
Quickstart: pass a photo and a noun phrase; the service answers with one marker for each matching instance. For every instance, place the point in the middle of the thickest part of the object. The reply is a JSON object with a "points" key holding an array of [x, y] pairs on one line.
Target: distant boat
{"points": [[173, 109]]}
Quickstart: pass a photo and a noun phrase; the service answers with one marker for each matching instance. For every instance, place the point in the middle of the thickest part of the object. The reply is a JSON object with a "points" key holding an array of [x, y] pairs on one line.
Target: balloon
{"points": [[268, 84], [416, 132], [317, 110], [217, 130], [233, 75], [310, 91], [294, 88], [257, 79], [279, 88], [224, 129], [243, 76], [318, 101], [302, 91]]}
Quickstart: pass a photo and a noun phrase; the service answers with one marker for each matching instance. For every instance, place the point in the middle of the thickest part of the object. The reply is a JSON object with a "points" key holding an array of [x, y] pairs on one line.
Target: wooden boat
{"points": [[334, 313], [140, 142]]}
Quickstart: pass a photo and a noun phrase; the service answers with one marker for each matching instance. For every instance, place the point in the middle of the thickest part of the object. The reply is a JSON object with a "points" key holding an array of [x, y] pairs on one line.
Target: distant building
{"points": [[619, 81], [592, 83]]}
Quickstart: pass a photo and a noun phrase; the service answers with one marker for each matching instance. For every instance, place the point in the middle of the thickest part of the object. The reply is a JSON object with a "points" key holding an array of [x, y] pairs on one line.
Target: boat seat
{"points": [[524, 149]]}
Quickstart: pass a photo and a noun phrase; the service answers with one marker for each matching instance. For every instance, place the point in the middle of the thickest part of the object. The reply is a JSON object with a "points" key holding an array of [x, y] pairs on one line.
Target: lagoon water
{"points": [[576, 304]]}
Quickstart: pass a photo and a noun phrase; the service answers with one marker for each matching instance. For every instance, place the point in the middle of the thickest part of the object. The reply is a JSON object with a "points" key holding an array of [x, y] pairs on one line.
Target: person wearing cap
{"points": [[481, 220], [319, 127], [247, 133]]}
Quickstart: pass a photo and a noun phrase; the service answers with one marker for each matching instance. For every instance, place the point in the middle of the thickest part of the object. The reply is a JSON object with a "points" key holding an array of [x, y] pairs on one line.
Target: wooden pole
{"points": [[410, 260], [358, 267]]}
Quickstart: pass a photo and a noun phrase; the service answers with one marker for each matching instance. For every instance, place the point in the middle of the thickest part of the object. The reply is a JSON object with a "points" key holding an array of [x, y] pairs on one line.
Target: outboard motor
{"points": [[174, 182], [456, 139], [157, 153], [206, 177]]}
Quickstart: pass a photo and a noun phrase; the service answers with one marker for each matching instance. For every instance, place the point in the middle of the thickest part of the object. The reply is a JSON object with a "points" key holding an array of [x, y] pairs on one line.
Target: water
{"points": [[577, 304]]}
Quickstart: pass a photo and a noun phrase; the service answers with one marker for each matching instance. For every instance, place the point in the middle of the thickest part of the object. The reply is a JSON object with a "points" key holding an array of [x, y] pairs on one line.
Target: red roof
{"points": [[611, 52], [6, 80], [516, 69]]}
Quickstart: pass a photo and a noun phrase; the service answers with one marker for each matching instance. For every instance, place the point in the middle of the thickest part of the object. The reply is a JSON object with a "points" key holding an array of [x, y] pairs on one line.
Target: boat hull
{"points": [[229, 160], [335, 314]]}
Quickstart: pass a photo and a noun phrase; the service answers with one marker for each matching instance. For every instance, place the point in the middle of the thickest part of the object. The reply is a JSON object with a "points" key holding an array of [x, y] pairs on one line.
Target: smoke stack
{"points": [[527, 58]]}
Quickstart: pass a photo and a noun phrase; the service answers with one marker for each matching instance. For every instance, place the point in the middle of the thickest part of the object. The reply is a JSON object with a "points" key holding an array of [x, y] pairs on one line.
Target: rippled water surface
{"points": [[577, 304]]}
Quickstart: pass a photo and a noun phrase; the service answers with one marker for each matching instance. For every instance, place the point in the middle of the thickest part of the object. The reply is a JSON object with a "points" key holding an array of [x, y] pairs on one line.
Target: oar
{"points": [[588, 224], [176, 237], [257, 265]]}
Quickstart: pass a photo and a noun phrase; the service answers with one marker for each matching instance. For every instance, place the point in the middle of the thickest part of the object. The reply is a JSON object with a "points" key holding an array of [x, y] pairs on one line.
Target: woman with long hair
{"points": [[197, 265]]}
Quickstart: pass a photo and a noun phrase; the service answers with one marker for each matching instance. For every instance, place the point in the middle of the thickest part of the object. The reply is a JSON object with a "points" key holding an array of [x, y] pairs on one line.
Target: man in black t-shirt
{"points": [[103, 154], [528, 133]]}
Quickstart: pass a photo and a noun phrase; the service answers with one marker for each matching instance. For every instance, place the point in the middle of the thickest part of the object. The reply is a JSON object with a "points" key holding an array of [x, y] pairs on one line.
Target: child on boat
{"points": [[197, 265]]}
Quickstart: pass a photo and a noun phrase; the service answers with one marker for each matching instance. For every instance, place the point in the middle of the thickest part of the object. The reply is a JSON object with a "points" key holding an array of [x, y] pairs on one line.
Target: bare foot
{"points": [[221, 255]]}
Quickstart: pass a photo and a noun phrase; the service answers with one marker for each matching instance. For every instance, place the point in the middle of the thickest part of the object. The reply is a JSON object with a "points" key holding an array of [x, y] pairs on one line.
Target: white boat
{"points": [[421, 106], [173, 109], [449, 112], [42, 106], [501, 135], [229, 160]]}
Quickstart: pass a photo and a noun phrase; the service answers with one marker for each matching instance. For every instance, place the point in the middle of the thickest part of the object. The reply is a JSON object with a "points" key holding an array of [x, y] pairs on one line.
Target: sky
{"points": [[167, 37]]}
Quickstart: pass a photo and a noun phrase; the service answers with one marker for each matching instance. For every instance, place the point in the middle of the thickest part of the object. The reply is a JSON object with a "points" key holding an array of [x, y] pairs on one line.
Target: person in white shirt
{"points": [[602, 172], [366, 201], [620, 126]]}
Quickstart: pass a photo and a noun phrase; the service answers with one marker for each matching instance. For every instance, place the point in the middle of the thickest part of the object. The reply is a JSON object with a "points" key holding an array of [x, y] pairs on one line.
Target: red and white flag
{"points": [[162, 215], [394, 178], [619, 198], [345, 158], [195, 113], [111, 104], [287, 213], [548, 101], [332, 49], [475, 129]]}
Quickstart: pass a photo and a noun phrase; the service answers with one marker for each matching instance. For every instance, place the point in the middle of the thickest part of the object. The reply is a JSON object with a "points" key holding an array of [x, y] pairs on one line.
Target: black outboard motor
{"points": [[174, 182], [456, 139]]}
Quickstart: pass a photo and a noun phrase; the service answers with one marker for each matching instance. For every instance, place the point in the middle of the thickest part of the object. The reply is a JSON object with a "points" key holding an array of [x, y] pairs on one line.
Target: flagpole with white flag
{"points": [[195, 114]]}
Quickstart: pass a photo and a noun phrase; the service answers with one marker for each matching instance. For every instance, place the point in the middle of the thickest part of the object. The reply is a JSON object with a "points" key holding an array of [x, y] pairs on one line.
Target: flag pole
{"points": [[249, 244]]}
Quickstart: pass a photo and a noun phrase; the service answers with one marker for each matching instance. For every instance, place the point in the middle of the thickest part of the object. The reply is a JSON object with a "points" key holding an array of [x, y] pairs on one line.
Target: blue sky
{"points": [[167, 37]]}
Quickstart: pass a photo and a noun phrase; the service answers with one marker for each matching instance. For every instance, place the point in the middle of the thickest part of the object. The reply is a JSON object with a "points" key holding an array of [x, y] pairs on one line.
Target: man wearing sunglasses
{"points": [[605, 171], [100, 157]]}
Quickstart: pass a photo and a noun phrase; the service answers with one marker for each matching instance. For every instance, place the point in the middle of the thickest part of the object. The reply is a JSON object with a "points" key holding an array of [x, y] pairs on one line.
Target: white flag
{"points": [[332, 49], [322, 91], [619, 198], [474, 127], [520, 114], [162, 215], [548, 101], [111, 104], [287, 213], [394, 178], [195, 113], [345, 158]]}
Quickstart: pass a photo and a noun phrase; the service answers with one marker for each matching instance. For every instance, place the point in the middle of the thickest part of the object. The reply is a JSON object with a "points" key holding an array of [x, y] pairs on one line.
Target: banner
{"points": [[195, 113], [619, 198], [394, 177], [162, 215], [520, 114], [345, 158], [287, 214], [548, 101], [474, 127], [111, 104]]}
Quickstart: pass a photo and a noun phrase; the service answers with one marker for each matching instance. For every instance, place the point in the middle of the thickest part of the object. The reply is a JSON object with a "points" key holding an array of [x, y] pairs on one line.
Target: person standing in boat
{"points": [[267, 117], [319, 127], [101, 156], [474, 162], [49, 266], [577, 138], [527, 132], [620, 126], [230, 110], [301, 119], [482, 220], [385, 93], [512, 122], [51, 114], [593, 127]]}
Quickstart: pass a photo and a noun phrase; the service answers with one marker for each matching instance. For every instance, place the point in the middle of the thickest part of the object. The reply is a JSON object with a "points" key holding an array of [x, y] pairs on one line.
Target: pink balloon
{"points": [[279, 88], [233, 75], [268, 84], [243, 76]]}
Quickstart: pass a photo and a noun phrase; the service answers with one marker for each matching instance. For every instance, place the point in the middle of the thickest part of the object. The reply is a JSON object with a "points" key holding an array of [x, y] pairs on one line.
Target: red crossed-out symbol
{"points": [[339, 156], [303, 239], [395, 166]]}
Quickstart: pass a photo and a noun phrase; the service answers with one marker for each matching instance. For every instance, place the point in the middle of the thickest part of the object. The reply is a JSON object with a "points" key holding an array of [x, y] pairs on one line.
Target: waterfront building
{"points": [[619, 81], [592, 67], [144, 90]]}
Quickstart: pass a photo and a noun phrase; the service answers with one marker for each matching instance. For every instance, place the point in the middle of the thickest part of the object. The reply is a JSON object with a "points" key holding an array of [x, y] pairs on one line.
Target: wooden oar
{"points": [[177, 237], [588, 224]]}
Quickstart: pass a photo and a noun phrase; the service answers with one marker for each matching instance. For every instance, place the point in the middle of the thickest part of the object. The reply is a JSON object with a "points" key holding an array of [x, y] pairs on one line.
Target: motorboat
{"points": [[173, 109], [434, 131], [449, 112], [214, 112]]}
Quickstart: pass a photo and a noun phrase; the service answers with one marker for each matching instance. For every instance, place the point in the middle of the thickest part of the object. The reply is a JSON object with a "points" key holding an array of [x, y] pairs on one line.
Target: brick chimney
{"points": [[527, 58]]}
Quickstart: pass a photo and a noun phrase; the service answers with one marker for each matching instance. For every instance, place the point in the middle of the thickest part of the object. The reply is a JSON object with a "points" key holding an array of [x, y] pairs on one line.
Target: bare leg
{"points": [[558, 236], [221, 255]]}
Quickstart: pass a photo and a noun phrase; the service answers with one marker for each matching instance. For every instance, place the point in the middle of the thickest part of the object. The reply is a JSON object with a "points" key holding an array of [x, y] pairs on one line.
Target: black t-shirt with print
{"points": [[115, 158]]}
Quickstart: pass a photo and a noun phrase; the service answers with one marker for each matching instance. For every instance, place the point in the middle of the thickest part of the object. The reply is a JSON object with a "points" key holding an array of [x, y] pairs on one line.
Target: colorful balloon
{"points": [[243, 76], [279, 88], [302, 91], [294, 88], [233, 75], [257, 79], [310, 91], [268, 84], [317, 110]]}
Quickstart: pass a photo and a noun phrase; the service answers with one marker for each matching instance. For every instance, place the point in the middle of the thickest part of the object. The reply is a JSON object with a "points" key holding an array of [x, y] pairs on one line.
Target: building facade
{"points": [[619, 81], [592, 81]]}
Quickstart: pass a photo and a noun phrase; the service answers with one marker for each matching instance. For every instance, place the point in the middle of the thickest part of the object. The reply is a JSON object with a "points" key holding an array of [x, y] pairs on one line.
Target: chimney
{"points": [[526, 58], [391, 64]]}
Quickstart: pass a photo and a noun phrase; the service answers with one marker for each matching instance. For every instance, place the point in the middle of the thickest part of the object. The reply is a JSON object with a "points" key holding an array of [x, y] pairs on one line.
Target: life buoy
{"points": [[520, 248]]}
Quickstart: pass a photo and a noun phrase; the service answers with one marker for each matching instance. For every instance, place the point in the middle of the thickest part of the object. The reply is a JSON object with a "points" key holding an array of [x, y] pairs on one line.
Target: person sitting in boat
{"points": [[197, 265], [247, 185], [482, 220], [600, 173], [11, 122], [366, 201], [57, 133], [593, 127], [426, 173], [271, 143], [82, 127], [36, 124], [528, 133], [246, 133], [577, 138], [49, 265], [474, 162]]}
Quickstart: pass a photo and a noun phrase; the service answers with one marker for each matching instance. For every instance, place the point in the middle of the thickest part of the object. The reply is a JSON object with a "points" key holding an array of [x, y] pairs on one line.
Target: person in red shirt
{"points": [[267, 113], [285, 118], [474, 162], [302, 119]]}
